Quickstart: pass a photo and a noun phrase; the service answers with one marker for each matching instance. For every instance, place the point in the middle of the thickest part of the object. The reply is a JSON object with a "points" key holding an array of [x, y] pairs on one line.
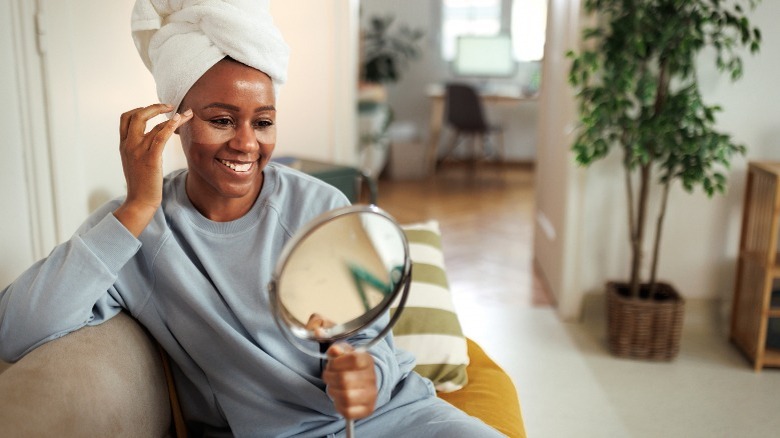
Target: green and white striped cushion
{"points": [[429, 327]]}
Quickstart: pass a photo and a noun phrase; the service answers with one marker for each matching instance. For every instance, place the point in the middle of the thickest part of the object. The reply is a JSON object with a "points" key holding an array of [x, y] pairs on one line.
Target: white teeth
{"points": [[238, 167]]}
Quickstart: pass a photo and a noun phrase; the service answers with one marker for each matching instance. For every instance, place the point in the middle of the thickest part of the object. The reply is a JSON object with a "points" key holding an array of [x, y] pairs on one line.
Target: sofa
{"points": [[109, 380], [113, 379]]}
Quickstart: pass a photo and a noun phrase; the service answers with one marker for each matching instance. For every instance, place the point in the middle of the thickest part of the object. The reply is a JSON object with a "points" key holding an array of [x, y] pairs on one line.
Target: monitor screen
{"points": [[484, 56]]}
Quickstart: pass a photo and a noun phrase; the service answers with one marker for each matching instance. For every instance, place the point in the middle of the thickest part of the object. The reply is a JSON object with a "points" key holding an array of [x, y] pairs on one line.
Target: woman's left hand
{"points": [[351, 381]]}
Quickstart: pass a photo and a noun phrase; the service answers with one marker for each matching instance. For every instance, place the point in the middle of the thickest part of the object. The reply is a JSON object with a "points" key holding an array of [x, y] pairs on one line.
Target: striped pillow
{"points": [[429, 327]]}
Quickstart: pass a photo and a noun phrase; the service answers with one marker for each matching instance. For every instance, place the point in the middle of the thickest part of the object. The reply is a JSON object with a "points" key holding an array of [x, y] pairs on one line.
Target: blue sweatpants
{"points": [[425, 418]]}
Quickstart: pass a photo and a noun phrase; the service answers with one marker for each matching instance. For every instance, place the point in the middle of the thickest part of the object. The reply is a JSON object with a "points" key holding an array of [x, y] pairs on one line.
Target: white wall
{"points": [[556, 185], [317, 108], [701, 236], [408, 97], [15, 220], [93, 74]]}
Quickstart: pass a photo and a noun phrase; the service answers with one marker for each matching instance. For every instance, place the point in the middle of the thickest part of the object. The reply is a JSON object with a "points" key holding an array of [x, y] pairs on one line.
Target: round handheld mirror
{"points": [[339, 275]]}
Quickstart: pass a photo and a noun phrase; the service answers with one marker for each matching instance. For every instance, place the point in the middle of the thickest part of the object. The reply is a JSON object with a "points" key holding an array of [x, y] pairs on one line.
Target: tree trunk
{"points": [[660, 103], [629, 188], [638, 239], [657, 244]]}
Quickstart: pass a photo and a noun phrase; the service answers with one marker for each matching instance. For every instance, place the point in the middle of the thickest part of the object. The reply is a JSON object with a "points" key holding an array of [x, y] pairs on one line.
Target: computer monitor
{"points": [[484, 56]]}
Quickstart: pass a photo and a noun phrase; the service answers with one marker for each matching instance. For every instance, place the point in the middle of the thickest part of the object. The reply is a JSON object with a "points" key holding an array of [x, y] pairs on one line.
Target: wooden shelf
{"points": [[758, 266], [776, 268], [760, 259], [772, 357]]}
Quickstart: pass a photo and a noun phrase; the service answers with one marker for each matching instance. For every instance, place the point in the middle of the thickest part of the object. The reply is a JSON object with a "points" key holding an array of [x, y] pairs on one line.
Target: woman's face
{"points": [[229, 140]]}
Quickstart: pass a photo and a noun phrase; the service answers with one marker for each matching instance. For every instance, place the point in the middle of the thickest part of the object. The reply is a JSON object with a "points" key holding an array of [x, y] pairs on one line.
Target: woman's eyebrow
{"points": [[235, 108]]}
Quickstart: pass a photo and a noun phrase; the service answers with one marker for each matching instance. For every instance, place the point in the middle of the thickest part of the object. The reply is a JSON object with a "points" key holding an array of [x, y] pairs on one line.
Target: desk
{"points": [[491, 95]]}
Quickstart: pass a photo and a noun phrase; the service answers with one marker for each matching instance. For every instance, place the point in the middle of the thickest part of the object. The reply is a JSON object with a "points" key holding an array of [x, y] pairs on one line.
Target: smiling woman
{"points": [[75, 85], [230, 138], [190, 254]]}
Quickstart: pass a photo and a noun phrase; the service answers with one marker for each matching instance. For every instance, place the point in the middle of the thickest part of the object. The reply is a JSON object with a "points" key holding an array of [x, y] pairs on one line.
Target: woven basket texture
{"points": [[642, 328]]}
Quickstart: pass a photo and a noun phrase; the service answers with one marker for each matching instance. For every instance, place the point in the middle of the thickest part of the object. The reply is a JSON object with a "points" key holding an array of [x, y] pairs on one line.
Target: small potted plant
{"points": [[637, 92], [387, 50]]}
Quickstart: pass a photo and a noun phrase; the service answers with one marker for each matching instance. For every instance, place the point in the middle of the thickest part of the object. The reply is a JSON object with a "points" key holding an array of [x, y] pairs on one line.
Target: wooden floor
{"points": [[486, 218]]}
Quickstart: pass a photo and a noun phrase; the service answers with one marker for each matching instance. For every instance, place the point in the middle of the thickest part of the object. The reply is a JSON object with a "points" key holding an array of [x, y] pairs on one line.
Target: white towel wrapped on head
{"points": [[179, 40]]}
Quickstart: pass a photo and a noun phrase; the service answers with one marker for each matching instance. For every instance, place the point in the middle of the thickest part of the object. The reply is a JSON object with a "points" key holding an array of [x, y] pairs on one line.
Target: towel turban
{"points": [[179, 40]]}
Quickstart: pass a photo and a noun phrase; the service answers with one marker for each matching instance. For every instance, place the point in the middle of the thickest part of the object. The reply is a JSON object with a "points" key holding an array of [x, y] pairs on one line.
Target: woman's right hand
{"points": [[142, 163]]}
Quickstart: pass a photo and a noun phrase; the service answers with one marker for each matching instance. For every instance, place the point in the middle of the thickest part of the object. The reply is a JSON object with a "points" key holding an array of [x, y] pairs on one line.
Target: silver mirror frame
{"points": [[291, 327]]}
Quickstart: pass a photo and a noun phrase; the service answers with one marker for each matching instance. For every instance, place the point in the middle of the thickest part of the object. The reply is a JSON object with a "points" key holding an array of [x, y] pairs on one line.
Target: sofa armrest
{"points": [[105, 380], [490, 394]]}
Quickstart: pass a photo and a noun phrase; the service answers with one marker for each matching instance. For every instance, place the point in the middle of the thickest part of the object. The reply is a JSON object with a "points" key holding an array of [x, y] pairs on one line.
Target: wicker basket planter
{"points": [[643, 328]]}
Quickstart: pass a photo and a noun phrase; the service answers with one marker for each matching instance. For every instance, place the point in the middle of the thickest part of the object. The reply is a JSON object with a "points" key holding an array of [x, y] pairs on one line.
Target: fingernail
{"points": [[176, 117], [188, 112]]}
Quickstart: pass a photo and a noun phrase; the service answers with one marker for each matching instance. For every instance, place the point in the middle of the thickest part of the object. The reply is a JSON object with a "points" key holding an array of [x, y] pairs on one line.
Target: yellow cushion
{"points": [[490, 395]]}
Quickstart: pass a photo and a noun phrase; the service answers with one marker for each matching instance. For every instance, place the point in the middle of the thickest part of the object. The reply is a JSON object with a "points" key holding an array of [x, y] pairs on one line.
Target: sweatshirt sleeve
{"points": [[390, 365], [70, 288]]}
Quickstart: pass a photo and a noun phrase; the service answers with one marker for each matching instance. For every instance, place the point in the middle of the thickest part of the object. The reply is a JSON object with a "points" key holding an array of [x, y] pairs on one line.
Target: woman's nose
{"points": [[244, 139]]}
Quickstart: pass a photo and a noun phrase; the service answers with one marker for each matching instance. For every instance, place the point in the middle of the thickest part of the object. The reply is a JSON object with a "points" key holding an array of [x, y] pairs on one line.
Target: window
{"points": [[527, 25], [468, 17]]}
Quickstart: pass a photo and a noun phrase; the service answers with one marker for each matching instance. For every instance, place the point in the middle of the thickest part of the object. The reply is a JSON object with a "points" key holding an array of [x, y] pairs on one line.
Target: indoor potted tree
{"points": [[637, 92]]}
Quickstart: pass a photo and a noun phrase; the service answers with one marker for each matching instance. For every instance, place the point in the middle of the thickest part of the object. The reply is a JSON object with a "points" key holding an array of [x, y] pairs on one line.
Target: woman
{"points": [[189, 254]]}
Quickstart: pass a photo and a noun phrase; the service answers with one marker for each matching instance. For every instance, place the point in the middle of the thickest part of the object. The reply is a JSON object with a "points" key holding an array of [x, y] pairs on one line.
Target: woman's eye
{"points": [[263, 124], [221, 122]]}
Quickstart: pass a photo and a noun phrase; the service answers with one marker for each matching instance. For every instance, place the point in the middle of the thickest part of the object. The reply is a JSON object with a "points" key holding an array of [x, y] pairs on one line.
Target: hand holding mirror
{"points": [[338, 276]]}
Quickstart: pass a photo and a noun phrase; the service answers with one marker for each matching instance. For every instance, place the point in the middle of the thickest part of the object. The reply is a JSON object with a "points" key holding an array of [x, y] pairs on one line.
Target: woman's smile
{"points": [[237, 166]]}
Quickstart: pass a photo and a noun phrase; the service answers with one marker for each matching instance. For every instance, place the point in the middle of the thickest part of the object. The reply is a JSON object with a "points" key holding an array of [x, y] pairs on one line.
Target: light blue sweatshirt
{"points": [[200, 288]]}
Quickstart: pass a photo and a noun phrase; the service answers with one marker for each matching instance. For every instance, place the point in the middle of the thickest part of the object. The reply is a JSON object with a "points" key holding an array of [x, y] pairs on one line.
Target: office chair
{"points": [[465, 116]]}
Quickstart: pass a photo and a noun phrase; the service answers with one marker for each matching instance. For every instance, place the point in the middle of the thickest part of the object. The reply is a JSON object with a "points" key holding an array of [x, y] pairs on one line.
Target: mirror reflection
{"points": [[341, 275]]}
